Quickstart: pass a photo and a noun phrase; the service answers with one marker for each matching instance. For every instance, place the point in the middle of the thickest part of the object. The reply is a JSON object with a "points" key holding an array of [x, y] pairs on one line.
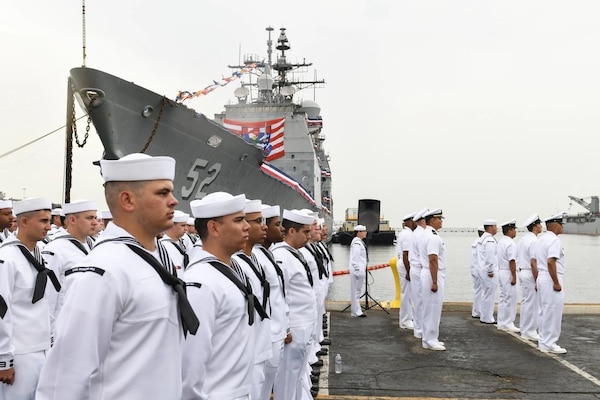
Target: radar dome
{"points": [[265, 82], [311, 108]]}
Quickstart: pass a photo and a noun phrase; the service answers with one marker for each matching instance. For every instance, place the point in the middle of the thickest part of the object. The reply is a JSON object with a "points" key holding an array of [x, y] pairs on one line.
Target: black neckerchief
{"points": [[278, 270], [261, 277]]}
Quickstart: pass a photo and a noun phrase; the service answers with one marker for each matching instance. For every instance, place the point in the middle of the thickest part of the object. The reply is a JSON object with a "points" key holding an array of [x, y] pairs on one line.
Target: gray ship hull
{"points": [[209, 157], [584, 224]]}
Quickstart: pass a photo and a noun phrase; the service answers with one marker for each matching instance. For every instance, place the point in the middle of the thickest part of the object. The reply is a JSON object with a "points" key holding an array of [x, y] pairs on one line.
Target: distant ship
{"points": [[268, 146], [587, 223], [385, 235]]}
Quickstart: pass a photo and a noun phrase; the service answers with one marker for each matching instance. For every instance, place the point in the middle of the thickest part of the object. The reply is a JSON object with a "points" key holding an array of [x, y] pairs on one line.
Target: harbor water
{"points": [[582, 268]]}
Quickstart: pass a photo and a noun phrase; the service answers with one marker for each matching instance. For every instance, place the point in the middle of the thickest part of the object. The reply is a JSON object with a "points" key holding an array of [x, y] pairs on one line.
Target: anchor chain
{"points": [[88, 125], [153, 133]]}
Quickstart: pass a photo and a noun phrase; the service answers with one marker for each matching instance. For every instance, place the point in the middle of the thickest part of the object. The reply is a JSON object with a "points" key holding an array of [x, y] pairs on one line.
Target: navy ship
{"points": [[585, 223], [269, 145]]}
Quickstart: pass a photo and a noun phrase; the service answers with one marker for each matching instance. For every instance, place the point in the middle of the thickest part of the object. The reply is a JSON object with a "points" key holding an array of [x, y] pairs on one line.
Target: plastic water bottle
{"points": [[338, 364]]}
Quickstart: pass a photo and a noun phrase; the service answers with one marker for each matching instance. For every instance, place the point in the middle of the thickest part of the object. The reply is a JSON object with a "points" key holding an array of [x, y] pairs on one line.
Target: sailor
{"points": [[191, 234], [528, 273], [507, 278], [358, 269], [415, 272], [405, 316], [301, 301], [487, 257], [279, 308], [323, 245], [173, 240], [58, 218], [6, 217], [477, 289], [261, 289], [119, 332], [550, 257], [24, 320], [70, 246], [218, 360]]}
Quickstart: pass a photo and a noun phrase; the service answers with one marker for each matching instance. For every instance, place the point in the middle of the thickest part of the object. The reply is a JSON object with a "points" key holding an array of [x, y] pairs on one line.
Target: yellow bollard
{"points": [[395, 303]]}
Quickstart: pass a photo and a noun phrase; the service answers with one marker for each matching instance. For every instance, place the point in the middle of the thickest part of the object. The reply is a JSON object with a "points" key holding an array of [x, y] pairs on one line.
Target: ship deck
{"points": [[383, 362]]}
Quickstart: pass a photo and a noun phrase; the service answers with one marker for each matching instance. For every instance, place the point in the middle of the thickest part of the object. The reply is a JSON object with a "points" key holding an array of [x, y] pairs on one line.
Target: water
{"points": [[582, 269]]}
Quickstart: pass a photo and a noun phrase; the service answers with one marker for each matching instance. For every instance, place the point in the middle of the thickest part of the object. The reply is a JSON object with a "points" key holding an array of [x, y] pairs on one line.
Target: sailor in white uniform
{"points": [[415, 267], [433, 280], [528, 272], [507, 277], [24, 320], [173, 240], [6, 217], [70, 246], [56, 225], [550, 257], [218, 360], [487, 256], [358, 269], [119, 332], [279, 321], [477, 289], [301, 300], [405, 314], [262, 290]]}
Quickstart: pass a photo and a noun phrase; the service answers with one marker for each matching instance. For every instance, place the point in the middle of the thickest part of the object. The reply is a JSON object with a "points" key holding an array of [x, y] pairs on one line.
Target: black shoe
{"points": [[317, 364], [315, 388], [362, 316], [315, 372], [325, 325], [314, 393], [325, 333], [488, 323], [314, 379], [325, 342], [322, 352]]}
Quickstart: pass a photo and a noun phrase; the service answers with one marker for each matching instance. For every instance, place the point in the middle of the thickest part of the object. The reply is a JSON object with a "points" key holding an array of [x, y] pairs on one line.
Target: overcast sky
{"points": [[487, 109]]}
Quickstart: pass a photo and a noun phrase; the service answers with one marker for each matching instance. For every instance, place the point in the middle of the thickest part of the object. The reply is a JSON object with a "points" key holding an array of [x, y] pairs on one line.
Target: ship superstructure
{"points": [[587, 223]]}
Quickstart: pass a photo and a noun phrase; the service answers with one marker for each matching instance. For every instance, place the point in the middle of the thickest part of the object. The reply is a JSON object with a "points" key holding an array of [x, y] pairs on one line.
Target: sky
{"points": [[486, 109]]}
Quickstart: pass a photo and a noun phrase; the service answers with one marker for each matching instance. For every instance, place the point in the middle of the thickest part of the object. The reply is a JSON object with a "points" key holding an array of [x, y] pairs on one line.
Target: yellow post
{"points": [[396, 302]]}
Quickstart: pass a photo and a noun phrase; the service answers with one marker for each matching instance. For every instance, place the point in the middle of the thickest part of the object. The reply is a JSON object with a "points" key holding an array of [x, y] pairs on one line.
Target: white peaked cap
{"points": [[253, 206], [532, 219], [190, 220], [57, 211], [79, 206], [180, 216], [433, 212], [408, 216], [360, 228], [490, 221], [270, 211], [138, 167], [419, 214], [218, 204], [6, 204], [298, 216], [106, 214], [512, 222], [32, 204], [480, 228], [555, 218]]}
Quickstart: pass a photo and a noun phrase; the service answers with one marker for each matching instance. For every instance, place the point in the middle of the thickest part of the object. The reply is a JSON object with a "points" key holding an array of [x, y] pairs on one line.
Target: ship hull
{"points": [[381, 238], [581, 225], [209, 157]]}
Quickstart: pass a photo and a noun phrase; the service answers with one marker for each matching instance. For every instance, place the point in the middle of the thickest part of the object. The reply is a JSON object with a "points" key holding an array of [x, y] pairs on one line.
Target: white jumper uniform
{"points": [[415, 281], [477, 289], [551, 301], [488, 263], [507, 300], [405, 314], [432, 301], [177, 251], [25, 329], [358, 272], [118, 334], [529, 313]]}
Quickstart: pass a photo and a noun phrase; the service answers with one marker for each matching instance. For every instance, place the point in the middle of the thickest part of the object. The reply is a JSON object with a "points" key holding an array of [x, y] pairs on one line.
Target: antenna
{"points": [[83, 29]]}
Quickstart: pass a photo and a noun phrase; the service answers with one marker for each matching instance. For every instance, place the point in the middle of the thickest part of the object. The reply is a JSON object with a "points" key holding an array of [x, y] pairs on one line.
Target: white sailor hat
{"points": [[419, 214], [408, 216], [218, 204], [321, 221], [532, 220], [138, 167], [32, 204], [436, 212], [6, 204], [57, 211], [490, 222], [555, 218], [360, 228], [270, 211], [106, 214], [298, 216], [79, 206], [480, 228], [314, 214], [180, 216], [510, 224], [253, 206], [190, 220]]}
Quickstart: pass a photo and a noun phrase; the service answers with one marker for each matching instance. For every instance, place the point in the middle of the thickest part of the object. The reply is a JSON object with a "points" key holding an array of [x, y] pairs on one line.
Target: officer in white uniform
{"points": [[218, 360], [550, 257], [262, 290], [405, 314], [5, 219], [301, 300], [173, 240], [119, 332], [433, 280], [71, 245], [415, 272], [24, 320], [477, 289], [279, 308], [358, 269], [507, 277], [528, 272], [487, 256]]}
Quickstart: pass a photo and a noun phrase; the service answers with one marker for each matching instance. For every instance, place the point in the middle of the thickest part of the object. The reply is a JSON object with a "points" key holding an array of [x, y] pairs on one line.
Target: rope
{"points": [[372, 267]]}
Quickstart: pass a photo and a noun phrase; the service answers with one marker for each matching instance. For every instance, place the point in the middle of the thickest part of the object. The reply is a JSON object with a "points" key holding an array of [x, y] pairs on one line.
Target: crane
{"points": [[592, 206]]}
